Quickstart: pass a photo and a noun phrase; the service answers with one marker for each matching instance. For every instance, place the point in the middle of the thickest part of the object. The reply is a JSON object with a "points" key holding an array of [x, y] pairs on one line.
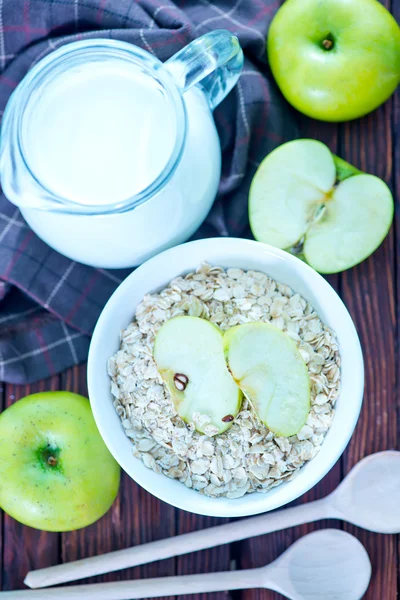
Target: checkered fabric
{"points": [[48, 303]]}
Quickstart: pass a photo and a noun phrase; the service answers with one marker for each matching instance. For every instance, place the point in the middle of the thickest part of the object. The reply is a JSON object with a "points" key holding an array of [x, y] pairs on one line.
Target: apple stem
{"points": [[327, 44], [49, 457]]}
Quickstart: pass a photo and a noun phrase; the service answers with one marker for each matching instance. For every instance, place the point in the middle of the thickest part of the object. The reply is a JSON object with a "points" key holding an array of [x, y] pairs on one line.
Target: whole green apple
{"points": [[334, 60], [56, 473]]}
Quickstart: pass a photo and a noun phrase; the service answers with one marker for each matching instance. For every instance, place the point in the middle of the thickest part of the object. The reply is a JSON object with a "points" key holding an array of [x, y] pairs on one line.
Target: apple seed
{"points": [[228, 418], [180, 381]]}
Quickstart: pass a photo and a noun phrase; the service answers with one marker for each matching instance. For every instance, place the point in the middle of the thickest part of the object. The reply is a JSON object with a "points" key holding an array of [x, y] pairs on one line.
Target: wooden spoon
{"points": [[328, 564], [368, 497]]}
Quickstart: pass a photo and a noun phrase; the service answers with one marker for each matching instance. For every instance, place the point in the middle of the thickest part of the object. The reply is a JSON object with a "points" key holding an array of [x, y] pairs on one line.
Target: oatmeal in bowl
{"points": [[243, 462], [247, 457]]}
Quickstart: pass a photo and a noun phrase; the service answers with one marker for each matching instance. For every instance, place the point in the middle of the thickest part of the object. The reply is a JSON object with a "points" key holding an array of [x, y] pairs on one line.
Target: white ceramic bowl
{"points": [[155, 274]]}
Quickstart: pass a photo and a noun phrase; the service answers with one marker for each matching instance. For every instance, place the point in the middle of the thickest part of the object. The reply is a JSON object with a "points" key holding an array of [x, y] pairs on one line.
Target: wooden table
{"points": [[370, 292]]}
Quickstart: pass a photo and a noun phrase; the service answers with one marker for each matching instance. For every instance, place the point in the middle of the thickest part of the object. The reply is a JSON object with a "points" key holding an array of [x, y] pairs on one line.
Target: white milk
{"points": [[100, 133], [170, 217]]}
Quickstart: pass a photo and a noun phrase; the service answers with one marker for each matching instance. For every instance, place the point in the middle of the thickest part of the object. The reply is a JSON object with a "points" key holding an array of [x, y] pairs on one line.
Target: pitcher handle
{"points": [[214, 60]]}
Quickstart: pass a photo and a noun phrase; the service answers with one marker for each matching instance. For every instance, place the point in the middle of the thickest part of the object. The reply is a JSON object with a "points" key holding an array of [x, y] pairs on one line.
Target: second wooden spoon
{"points": [[326, 564]]}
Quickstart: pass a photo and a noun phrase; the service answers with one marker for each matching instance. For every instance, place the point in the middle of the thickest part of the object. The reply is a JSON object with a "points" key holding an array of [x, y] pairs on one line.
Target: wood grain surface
{"points": [[370, 291]]}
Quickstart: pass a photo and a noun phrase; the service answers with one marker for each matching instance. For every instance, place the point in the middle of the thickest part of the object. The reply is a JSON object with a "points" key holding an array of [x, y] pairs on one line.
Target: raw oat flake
{"points": [[247, 457]]}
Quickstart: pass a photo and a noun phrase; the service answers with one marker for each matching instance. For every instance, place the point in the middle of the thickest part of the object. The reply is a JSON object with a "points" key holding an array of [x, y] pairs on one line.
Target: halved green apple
{"points": [[190, 358], [306, 200], [268, 367]]}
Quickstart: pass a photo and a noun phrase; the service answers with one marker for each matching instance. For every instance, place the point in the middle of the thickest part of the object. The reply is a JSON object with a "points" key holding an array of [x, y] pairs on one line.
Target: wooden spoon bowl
{"points": [[324, 565], [370, 494]]}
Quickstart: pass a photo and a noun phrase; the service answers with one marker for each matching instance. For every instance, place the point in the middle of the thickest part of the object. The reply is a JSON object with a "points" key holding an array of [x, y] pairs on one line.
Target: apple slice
{"points": [[308, 201], [269, 369], [190, 358]]}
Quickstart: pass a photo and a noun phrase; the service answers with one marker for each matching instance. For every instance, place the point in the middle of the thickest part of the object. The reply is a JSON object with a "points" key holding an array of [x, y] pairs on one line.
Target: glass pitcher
{"points": [[112, 155]]}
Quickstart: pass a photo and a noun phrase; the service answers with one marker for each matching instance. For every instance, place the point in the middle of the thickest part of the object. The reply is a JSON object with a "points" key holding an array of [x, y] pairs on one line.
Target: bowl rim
{"points": [[233, 509]]}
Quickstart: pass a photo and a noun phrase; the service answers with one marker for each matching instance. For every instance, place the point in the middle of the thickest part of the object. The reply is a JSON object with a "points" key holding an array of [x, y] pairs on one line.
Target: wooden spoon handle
{"points": [[147, 588], [181, 544]]}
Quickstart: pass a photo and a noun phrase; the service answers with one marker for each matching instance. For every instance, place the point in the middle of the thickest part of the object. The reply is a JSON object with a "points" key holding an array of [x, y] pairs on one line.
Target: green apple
{"points": [[334, 60], [189, 355], [268, 367], [308, 201], [56, 473]]}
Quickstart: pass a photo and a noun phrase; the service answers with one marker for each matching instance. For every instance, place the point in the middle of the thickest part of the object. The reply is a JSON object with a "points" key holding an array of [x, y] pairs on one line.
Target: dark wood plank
{"points": [[396, 187], [26, 548], [369, 292], [146, 519], [136, 517], [264, 549], [207, 561], [104, 535]]}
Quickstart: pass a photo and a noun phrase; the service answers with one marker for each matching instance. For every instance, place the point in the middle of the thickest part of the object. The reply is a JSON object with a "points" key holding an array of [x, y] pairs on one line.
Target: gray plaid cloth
{"points": [[48, 303]]}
